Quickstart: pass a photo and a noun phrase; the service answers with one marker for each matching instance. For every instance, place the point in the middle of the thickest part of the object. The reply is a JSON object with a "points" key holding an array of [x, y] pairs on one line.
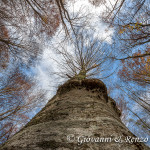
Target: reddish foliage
{"points": [[4, 55], [14, 104], [136, 69]]}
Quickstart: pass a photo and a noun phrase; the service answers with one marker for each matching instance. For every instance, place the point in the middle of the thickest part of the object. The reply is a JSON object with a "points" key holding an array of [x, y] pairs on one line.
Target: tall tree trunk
{"points": [[79, 117]]}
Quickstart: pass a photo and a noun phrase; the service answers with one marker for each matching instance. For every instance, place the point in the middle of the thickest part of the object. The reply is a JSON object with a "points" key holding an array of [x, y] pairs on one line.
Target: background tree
{"points": [[131, 46], [136, 69], [23, 25], [17, 99], [131, 21]]}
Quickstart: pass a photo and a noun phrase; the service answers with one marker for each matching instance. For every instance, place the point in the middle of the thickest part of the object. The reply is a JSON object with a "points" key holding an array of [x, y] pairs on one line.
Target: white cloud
{"points": [[89, 15]]}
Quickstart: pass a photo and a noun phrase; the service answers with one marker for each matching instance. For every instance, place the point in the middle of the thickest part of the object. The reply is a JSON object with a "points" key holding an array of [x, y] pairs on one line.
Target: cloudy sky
{"points": [[93, 24]]}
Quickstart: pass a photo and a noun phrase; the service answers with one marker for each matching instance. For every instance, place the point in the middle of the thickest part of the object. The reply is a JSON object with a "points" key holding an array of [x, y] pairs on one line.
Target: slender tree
{"points": [[85, 57]]}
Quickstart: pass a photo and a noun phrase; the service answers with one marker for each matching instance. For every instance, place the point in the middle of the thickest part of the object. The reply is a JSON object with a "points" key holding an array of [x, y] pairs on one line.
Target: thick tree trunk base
{"points": [[79, 117]]}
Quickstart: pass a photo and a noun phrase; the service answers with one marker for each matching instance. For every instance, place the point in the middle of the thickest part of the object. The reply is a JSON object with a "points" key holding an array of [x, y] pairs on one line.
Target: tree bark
{"points": [[80, 116]]}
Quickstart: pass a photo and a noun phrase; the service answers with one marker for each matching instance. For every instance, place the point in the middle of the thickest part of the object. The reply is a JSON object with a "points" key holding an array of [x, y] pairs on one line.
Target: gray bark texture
{"points": [[79, 117]]}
